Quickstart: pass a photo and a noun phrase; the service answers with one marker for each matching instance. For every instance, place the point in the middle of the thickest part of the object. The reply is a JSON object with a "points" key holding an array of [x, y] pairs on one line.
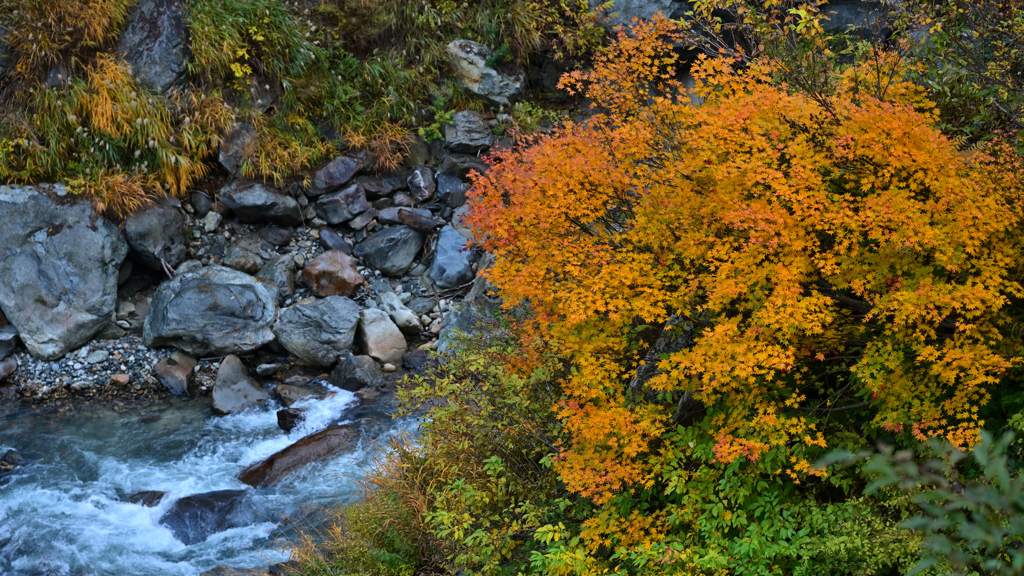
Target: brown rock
{"points": [[310, 449], [418, 221], [333, 273], [175, 372], [121, 379]]}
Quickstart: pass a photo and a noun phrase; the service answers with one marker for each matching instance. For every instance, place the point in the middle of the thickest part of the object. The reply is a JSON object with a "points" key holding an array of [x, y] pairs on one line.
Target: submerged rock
{"points": [[312, 448], [234, 389], [289, 394], [225, 570], [59, 264], [195, 518], [212, 310], [11, 460], [147, 498]]}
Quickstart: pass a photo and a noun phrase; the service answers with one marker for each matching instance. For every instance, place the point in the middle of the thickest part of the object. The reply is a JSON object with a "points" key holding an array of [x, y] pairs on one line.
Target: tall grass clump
{"points": [[110, 139]]}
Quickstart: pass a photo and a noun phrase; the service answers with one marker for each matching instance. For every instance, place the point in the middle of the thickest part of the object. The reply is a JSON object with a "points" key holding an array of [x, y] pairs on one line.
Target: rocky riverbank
{"points": [[362, 267]]}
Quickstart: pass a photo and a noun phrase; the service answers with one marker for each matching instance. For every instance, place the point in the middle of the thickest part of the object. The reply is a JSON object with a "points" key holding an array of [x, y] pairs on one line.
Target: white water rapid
{"points": [[64, 511]]}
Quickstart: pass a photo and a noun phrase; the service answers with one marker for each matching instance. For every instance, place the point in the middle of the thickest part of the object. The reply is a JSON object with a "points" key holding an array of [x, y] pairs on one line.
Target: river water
{"points": [[64, 512]]}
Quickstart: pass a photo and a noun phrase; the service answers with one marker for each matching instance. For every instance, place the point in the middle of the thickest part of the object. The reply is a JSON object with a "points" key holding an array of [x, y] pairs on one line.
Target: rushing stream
{"points": [[65, 511]]}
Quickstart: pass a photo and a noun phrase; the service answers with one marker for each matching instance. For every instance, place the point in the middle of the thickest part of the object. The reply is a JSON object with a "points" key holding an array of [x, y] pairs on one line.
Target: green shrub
{"points": [[972, 61]]}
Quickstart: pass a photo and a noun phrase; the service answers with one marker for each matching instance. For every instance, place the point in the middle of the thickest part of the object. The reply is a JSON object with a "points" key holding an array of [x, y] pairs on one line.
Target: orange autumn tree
{"points": [[817, 257]]}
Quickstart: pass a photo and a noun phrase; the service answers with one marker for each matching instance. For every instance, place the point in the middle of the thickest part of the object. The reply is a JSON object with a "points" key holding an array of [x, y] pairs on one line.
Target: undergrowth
{"points": [[110, 139], [41, 33], [310, 78]]}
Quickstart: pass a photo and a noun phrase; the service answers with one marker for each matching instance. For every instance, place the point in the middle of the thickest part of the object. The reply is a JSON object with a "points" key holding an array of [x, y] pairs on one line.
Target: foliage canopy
{"points": [[820, 258]]}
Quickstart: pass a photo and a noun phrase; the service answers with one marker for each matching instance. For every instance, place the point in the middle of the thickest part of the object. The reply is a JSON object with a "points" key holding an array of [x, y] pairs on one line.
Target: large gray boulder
{"points": [[469, 60], [234, 389], [391, 251], [256, 203], [156, 43], [156, 234], [318, 332], [211, 310], [59, 263], [453, 261]]}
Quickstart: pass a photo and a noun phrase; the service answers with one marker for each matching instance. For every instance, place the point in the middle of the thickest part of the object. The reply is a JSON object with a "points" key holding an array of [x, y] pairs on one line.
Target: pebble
{"points": [[121, 379], [211, 221], [97, 357], [390, 368]]}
